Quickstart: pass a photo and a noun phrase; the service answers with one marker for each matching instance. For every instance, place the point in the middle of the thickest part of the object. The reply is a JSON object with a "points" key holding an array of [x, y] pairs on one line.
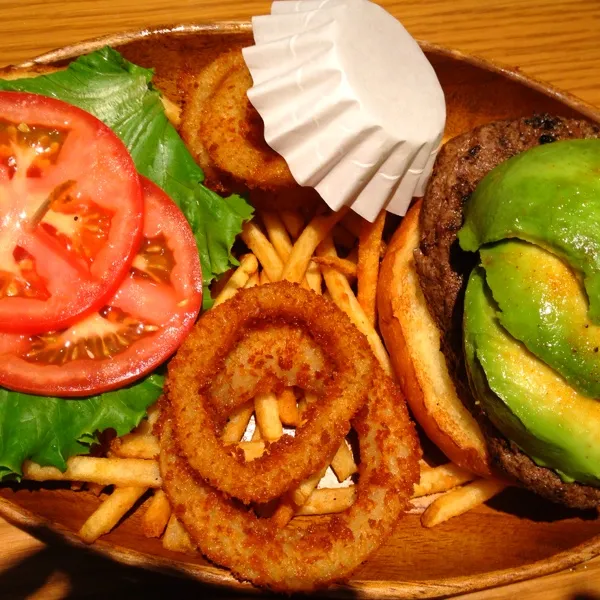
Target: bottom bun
{"points": [[413, 341]]}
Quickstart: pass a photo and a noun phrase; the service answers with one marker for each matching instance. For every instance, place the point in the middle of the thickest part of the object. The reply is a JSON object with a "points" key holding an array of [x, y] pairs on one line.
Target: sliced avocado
{"points": [[542, 303], [549, 195], [525, 399]]}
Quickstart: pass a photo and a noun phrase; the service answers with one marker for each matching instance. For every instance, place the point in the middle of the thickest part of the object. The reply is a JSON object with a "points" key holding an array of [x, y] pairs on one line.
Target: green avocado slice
{"points": [[525, 399], [549, 195], [542, 303]]}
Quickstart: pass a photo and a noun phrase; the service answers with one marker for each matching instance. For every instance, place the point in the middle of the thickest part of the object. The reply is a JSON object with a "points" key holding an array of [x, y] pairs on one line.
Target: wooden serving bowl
{"points": [[517, 536]]}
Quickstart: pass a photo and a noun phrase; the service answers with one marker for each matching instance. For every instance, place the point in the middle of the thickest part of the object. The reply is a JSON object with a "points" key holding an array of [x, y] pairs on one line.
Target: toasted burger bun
{"points": [[413, 341]]}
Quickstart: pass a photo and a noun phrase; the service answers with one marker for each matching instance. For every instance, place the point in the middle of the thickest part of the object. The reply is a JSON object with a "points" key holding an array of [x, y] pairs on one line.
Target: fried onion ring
{"points": [[203, 355], [201, 87], [226, 137], [297, 558], [233, 135]]}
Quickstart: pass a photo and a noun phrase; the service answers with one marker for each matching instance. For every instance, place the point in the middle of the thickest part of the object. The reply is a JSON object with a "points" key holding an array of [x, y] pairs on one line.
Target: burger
{"points": [[488, 305]]}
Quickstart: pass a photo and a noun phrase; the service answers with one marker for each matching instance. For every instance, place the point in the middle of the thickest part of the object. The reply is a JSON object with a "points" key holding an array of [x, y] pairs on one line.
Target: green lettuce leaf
{"points": [[51, 430], [121, 95]]}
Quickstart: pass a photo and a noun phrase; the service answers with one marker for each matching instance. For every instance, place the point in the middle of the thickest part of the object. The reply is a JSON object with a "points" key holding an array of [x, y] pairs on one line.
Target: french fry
{"points": [[144, 428], [302, 406], [418, 505], [293, 500], [253, 281], [263, 278], [304, 248], [258, 243], [172, 111], [288, 409], [110, 512], [343, 463], [266, 410], [277, 234], [423, 465], [314, 277], [369, 245], [146, 425], [176, 538], [284, 513], [302, 493], [344, 266], [293, 221], [252, 450], [122, 472], [460, 501], [238, 422], [248, 266], [256, 437], [441, 479], [280, 239], [153, 414], [324, 501], [157, 515], [136, 445], [342, 294]]}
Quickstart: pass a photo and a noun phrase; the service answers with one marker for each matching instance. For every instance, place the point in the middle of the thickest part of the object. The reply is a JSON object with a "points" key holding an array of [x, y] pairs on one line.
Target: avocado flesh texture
{"points": [[549, 195], [526, 400], [542, 304]]}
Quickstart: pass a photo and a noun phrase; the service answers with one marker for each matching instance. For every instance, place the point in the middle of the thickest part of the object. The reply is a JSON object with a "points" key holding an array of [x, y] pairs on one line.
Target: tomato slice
{"points": [[71, 213], [135, 331]]}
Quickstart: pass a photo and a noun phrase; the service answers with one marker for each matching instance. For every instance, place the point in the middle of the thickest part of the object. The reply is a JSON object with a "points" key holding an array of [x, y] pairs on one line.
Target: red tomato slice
{"points": [[71, 213], [137, 329]]}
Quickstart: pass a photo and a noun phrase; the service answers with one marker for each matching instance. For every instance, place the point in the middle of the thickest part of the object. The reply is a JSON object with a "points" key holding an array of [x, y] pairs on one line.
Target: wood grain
{"points": [[555, 41]]}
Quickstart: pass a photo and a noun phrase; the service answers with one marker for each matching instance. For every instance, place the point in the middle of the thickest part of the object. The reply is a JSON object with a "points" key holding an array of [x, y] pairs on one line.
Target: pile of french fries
{"points": [[281, 247]]}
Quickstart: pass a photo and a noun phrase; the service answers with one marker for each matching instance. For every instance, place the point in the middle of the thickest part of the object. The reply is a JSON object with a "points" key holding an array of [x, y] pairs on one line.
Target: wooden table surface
{"points": [[553, 40]]}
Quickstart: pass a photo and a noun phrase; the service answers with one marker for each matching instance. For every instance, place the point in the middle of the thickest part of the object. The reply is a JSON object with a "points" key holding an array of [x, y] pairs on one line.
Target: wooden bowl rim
{"points": [[223, 27], [32, 523]]}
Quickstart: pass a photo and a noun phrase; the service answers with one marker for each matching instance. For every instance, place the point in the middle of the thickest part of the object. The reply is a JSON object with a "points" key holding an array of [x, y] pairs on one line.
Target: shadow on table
{"points": [[90, 575], [73, 573]]}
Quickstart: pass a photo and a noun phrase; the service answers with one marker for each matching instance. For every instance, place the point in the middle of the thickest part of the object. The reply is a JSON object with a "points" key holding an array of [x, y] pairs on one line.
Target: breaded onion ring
{"points": [[233, 134], [203, 355], [225, 135], [201, 87], [297, 558]]}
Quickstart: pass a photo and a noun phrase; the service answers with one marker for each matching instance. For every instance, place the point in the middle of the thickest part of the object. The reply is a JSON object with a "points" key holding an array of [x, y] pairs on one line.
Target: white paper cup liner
{"points": [[349, 100]]}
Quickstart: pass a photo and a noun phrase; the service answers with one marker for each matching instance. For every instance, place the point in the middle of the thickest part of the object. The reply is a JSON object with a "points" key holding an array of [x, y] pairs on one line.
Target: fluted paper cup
{"points": [[349, 100]]}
